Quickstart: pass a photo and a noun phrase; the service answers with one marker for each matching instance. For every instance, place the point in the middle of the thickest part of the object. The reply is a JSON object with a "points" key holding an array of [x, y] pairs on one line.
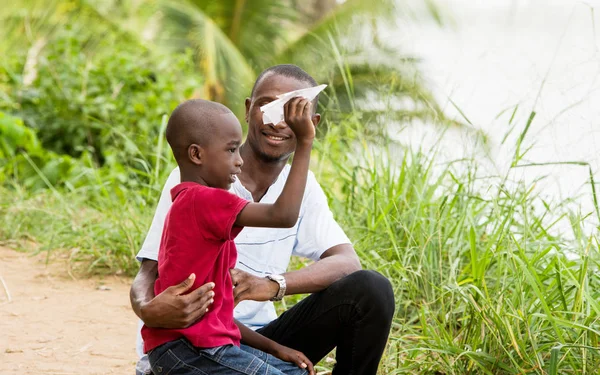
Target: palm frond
{"points": [[226, 71], [258, 28]]}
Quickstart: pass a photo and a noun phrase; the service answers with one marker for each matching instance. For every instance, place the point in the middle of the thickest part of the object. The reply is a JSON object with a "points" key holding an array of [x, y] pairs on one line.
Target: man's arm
{"points": [[335, 263], [172, 308], [142, 289]]}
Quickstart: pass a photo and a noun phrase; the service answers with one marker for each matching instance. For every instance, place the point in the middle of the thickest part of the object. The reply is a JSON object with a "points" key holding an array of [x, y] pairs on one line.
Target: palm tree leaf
{"points": [[257, 28], [226, 71]]}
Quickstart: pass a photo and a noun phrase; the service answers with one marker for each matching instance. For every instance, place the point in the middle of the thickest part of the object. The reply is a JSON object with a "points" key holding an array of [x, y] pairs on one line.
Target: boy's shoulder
{"points": [[193, 192], [186, 190]]}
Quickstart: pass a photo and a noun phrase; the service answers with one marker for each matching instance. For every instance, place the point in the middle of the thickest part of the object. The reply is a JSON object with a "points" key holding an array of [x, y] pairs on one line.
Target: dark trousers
{"points": [[354, 315]]}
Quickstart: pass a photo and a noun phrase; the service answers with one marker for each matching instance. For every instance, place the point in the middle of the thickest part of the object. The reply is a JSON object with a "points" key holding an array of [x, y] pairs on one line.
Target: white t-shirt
{"points": [[263, 251]]}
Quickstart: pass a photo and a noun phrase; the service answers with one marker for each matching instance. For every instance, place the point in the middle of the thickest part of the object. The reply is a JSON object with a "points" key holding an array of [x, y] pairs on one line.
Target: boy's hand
{"points": [[290, 355], [298, 116]]}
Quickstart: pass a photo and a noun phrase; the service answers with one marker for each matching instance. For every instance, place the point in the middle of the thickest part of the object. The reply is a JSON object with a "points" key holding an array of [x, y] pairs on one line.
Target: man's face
{"points": [[271, 142], [221, 157]]}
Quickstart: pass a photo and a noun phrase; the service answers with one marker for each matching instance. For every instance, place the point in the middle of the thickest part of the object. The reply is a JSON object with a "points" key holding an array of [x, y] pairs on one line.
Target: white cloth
{"points": [[262, 251]]}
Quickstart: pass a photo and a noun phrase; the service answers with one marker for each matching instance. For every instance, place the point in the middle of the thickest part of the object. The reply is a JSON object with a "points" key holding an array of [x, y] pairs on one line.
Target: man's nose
{"points": [[280, 125]]}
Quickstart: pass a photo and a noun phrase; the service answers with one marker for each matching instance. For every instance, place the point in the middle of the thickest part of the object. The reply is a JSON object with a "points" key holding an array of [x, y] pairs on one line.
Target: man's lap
{"points": [[180, 357]]}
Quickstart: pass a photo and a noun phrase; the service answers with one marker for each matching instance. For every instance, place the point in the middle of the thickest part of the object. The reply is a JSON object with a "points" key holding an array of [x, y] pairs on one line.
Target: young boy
{"points": [[198, 237]]}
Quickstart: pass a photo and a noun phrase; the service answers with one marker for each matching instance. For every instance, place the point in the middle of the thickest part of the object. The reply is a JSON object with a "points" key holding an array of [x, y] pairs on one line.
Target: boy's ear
{"points": [[196, 154]]}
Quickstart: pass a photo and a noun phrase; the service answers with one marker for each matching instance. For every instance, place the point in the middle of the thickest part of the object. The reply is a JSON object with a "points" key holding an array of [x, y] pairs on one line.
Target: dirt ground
{"points": [[52, 323]]}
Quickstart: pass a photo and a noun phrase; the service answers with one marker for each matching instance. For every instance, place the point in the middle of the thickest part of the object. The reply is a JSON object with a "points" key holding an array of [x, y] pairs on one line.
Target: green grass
{"points": [[100, 237], [486, 280]]}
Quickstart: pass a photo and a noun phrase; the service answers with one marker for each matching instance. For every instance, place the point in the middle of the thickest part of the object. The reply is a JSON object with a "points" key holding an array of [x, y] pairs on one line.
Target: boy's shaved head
{"points": [[193, 122]]}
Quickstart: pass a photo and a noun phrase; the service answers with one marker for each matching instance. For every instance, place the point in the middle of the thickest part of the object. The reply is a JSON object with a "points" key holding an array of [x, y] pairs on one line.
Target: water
{"points": [[541, 55]]}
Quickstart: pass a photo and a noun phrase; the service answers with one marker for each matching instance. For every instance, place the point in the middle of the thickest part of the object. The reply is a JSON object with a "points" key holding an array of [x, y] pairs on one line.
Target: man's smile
{"points": [[275, 138]]}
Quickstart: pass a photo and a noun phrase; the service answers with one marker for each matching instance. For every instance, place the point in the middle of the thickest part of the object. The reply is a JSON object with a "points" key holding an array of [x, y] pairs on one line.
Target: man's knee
{"points": [[373, 291]]}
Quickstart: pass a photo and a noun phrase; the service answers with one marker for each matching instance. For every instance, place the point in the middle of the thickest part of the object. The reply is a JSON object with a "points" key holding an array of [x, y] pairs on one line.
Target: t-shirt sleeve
{"points": [[317, 229], [151, 244], [216, 211]]}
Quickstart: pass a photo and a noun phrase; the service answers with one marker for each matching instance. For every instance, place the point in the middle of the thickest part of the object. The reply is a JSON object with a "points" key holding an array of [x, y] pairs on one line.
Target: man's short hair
{"points": [[193, 121], [286, 70]]}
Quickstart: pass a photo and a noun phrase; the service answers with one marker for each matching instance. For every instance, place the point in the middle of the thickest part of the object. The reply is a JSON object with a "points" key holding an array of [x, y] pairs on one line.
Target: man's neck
{"points": [[258, 174]]}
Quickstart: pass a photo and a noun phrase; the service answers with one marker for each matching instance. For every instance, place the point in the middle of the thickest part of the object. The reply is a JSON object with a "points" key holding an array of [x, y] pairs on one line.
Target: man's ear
{"points": [[196, 154], [316, 119], [248, 102]]}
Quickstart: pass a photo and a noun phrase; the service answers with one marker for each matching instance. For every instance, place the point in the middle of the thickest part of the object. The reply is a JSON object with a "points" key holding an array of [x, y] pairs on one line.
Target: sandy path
{"points": [[57, 325]]}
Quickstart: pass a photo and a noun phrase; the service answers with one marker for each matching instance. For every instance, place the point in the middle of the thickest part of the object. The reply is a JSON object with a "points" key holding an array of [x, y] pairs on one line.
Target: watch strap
{"points": [[279, 279]]}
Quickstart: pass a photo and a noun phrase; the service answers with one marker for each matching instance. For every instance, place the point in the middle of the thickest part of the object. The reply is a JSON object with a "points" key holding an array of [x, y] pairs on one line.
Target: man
{"points": [[349, 309]]}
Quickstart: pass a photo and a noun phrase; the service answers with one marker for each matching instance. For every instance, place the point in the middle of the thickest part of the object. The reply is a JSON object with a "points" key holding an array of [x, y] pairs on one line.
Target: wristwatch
{"points": [[279, 279]]}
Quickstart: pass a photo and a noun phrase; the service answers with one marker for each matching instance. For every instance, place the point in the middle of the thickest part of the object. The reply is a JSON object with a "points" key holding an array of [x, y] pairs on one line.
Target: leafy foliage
{"points": [[99, 101], [102, 104]]}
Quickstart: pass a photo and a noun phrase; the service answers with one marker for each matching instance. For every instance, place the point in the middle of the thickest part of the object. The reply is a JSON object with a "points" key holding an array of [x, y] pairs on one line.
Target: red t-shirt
{"points": [[198, 238]]}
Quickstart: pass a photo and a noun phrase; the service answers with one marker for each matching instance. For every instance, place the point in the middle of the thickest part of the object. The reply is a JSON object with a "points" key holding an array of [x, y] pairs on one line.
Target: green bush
{"points": [[105, 100], [15, 136], [26, 161]]}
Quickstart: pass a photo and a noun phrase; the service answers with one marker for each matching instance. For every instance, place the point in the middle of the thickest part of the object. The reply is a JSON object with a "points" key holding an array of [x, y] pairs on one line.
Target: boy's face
{"points": [[221, 160], [271, 142]]}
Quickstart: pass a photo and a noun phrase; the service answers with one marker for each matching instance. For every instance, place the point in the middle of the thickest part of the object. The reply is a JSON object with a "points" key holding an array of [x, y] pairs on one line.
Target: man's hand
{"points": [[250, 287], [174, 309], [290, 355]]}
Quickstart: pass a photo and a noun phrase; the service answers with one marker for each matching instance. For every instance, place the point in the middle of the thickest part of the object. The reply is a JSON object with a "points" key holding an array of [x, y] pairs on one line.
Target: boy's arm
{"points": [[284, 212], [260, 342]]}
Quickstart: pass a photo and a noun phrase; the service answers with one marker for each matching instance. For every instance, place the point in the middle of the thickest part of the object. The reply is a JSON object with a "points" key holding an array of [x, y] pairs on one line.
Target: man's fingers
{"points": [[206, 299], [194, 316], [197, 302], [183, 286], [199, 296], [238, 292], [206, 305], [205, 289], [236, 276]]}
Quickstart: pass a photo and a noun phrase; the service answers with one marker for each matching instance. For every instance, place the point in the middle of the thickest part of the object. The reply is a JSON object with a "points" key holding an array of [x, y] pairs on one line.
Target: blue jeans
{"points": [[180, 357]]}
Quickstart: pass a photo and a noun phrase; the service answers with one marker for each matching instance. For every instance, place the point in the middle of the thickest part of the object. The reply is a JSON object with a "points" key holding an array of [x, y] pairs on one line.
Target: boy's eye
{"points": [[232, 150]]}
